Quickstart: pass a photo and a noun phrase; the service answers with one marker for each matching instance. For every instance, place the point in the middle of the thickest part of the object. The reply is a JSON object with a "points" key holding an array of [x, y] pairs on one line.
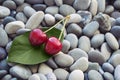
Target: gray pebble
{"points": [[111, 41], [20, 71], [52, 63], [61, 74], [49, 19], [72, 38], [112, 21], [51, 76], [7, 77], [84, 43], [34, 68], [8, 46], [34, 77], [34, 1], [62, 62], [108, 76], [117, 21], [39, 7], [69, 2], [3, 53], [58, 2], [13, 79], [22, 31], [3, 37], [81, 4], [117, 72], [91, 28], [109, 9], [101, 71], [94, 75], [116, 31], [101, 5], [65, 46], [49, 2], [115, 14], [58, 16], [4, 11], [20, 16], [66, 10], [107, 67], [19, 2], [80, 64], [117, 4], [42, 76], [77, 53], [21, 7], [3, 73], [4, 65], [51, 10]]}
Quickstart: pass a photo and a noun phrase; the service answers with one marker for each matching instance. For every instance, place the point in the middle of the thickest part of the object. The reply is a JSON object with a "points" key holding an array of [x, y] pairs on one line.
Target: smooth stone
{"points": [[49, 2], [51, 10], [72, 38], [35, 20], [101, 71], [61, 59], [3, 37], [66, 10], [84, 43], [20, 71], [74, 18], [111, 41], [106, 51], [94, 75], [22, 31], [12, 27], [3, 73], [34, 68], [108, 76], [117, 21], [101, 5], [8, 46], [21, 7], [117, 4], [116, 31], [41, 76], [34, 77], [7, 77], [39, 7], [109, 9], [96, 56], [8, 19], [3, 53], [19, 2], [44, 69], [29, 11], [115, 60], [69, 2], [34, 1], [13, 79], [65, 46], [52, 63], [117, 72], [97, 40], [9, 4], [115, 14], [20, 16], [4, 11], [51, 76], [59, 2], [112, 21], [81, 4], [74, 28], [49, 19], [4, 65], [76, 75], [107, 67], [61, 74], [77, 53], [90, 28], [58, 16], [93, 7], [81, 64]]}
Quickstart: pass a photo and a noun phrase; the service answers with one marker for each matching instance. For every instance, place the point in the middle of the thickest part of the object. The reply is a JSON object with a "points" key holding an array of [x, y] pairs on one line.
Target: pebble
{"points": [[44, 69], [117, 22], [13, 79], [52, 10], [52, 63], [116, 31], [96, 56], [58, 2], [61, 59], [3, 73], [81, 64], [49, 2], [42, 76], [111, 41], [93, 7], [58, 16], [29, 11], [76, 75], [20, 16], [34, 77], [51, 76], [117, 4], [90, 28], [3, 53], [108, 76], [84, 43], [94, 75], [7, 77], [65, 46], [4, 65], [115, 14], [77, 53], [101, 5], [22, 31], [21, 7], [31, 23], [34, 1], [49, 19], [19, 2], [8, 46], [61, 74], [72, 38], [101, 70], [3, 37], [12, 27], [81, 4], [109, 9], [4, 11], [97, 40], [39, 7], [69, 2], [74, 28], [66, 10], [9, 4], [34, 68], [117, 72], [107, 67]]}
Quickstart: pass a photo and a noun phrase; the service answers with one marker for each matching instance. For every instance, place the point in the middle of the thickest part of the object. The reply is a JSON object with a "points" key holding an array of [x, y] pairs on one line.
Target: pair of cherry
{"points": [[52, 44]]}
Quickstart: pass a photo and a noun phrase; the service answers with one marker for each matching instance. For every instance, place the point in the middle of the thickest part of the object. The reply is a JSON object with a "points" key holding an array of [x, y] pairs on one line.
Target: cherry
{"points": [[37, 37], [53, 46]]}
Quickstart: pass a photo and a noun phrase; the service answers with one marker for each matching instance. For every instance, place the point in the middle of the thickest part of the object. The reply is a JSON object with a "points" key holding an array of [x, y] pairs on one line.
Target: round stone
{"points": [[107, 67], [19, 2], [115, 14], [115, 30], [117, 72], [21, 7], [42, 76], [4, 65], [49, 2], [49, 19], [101, 5], [3, 53], [77, 53], [34, 77], [58, 2], [4, 11], [69, 2], [108, 76], [3, 73], [58, 16], [34, 1], [76, 75], [20, 16], [66, 10], [13, 79], [117, 4], [65, 46], [51, 10], [52, 63], [8, 46], [7, 77], [51, 76], [109, 9], [39, 7]]}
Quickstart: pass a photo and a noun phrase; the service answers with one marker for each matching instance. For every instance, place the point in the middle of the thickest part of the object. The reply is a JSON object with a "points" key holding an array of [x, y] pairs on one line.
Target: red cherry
{"points": [[37, 37], [53, 46]]}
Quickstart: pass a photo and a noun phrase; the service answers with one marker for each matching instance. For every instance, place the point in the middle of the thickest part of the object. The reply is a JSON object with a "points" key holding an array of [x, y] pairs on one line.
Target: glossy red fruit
{"points": [[53, 46], [37, 37]]}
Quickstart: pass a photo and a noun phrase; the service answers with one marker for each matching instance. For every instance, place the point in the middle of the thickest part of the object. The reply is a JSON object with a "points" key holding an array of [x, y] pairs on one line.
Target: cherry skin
{"points": [[37, 37], [53, 46]]}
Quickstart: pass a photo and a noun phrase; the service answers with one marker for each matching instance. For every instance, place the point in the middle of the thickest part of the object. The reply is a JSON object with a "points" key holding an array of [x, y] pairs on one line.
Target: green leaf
{"points": [[24, 53]]}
